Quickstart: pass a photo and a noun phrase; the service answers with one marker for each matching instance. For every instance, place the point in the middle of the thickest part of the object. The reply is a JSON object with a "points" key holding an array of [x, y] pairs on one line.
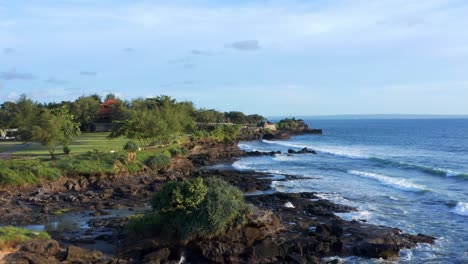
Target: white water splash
{"points": [[461, 209], [401, 184]]}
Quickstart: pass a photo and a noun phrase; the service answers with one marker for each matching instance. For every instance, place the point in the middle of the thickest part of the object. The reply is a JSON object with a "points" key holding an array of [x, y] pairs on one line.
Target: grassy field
{"points": [[85, 142], [8, 145]]}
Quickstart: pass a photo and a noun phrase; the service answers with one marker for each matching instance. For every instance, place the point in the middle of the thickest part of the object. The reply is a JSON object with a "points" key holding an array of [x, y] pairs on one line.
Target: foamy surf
{"points": [[426, 169], [284, 158], [356, 153], [347, 152], [401, 184], [461, 209], [239, 165], [359, 215]]}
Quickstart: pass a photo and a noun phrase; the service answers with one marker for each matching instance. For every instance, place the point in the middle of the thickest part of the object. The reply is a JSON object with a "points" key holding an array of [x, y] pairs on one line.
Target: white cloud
{"points": [[14, 74], [284, 25]]}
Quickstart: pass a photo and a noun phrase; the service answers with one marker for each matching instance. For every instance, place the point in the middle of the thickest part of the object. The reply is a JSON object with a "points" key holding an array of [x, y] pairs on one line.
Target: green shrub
{"points": [[179, 196], [66, 150], [131, 146], [48, 173], [133, 167], [12, 236], [194, 208], [141, 224], [158, 161], [176, 150]]}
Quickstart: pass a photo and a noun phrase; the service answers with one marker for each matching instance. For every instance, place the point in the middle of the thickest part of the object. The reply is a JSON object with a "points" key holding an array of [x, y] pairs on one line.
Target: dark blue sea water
{"points": [[410, 174]]}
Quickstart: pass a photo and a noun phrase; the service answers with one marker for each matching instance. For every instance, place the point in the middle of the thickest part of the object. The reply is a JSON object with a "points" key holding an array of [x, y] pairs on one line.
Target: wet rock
{"points": [[38, 251], [81, 255], [257, 153], [302, 151], [157, 257], [280, 135], [246, 181], [44, 247]]}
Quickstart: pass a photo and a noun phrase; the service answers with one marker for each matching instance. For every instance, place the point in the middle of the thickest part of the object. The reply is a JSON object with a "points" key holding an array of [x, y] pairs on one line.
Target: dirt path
{"points": [[6, 155]]}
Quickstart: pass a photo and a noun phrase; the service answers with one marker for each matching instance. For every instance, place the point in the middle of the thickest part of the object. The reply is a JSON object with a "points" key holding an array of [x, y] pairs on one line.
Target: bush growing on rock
{"points": [[193, 208], [12, 236], [158, 161]]}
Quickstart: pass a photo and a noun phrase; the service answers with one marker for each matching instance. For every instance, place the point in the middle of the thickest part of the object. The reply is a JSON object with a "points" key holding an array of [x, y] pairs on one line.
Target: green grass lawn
{"points": [[8, 145], [84, 143]]}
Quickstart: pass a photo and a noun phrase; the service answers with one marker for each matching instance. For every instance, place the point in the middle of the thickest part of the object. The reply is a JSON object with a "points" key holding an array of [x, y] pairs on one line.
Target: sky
{"points": [[294, 57]]}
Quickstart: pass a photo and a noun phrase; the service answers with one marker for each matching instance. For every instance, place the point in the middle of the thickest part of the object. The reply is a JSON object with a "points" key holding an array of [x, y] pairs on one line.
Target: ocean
{"points": [[409, 174]]}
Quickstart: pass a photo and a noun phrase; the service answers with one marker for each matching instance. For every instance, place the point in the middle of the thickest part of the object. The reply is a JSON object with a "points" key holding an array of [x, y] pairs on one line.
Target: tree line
{"points": [[149, 120]]}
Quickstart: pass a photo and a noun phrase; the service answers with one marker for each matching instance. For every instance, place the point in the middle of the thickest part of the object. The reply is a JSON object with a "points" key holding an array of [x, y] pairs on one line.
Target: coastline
{"points": [[316, 229]]}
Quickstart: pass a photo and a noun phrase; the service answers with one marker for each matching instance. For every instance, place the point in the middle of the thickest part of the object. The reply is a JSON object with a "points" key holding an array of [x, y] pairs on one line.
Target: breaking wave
{"points": [[401, 184]]}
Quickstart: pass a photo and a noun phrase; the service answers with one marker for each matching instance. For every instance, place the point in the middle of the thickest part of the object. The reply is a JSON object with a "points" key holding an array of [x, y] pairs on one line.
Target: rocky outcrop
{"points": [[211, 152], [302, 232], [257, 153], [285, 228], [279, 135], [48, 251], [302, 151], [286, 134]]}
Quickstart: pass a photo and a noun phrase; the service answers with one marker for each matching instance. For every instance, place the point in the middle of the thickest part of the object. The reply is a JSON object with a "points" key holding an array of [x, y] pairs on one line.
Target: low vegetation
{"points": [[157, 128], [12, 236], [193, 208], [291, 124], [21, 172]]}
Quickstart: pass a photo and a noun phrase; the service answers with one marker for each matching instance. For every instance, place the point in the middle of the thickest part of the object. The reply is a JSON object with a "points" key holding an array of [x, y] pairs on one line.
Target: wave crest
{"points": [[401, 184], [461, 209]]}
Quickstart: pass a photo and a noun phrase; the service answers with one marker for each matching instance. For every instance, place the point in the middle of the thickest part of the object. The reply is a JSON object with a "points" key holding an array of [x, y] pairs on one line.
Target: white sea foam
{"points": [[282, 157], [346, 152], [246, 147], [293, 186], [239, 165], [401, 184], [283, 143], [451, 173], [461, 209], [359, 215], [341, 151], [336, 198]]}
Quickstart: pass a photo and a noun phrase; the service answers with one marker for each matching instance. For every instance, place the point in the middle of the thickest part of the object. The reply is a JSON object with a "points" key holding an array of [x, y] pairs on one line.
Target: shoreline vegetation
{"points": [[157, 152]]}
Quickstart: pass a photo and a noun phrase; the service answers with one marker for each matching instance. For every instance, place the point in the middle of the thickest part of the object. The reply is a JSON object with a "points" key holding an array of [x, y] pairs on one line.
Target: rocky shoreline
{"points": [[284, 228]]}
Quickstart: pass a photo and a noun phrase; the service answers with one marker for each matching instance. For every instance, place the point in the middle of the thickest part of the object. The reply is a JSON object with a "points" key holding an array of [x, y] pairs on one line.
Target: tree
{"points": [[26, 114], [53, 129], [206, 116], [7, 118], [255, 119], [236, 117], [155, 120], [117, 111], [86, 111], [110, 96]]}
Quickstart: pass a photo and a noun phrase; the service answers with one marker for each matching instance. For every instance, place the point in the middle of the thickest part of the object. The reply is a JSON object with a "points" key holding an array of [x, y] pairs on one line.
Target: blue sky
{"points": [[270, 57]]}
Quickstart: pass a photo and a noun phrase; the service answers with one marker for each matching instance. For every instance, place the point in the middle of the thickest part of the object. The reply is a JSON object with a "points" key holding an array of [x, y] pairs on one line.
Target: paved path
{"points": [[6, 155]]}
